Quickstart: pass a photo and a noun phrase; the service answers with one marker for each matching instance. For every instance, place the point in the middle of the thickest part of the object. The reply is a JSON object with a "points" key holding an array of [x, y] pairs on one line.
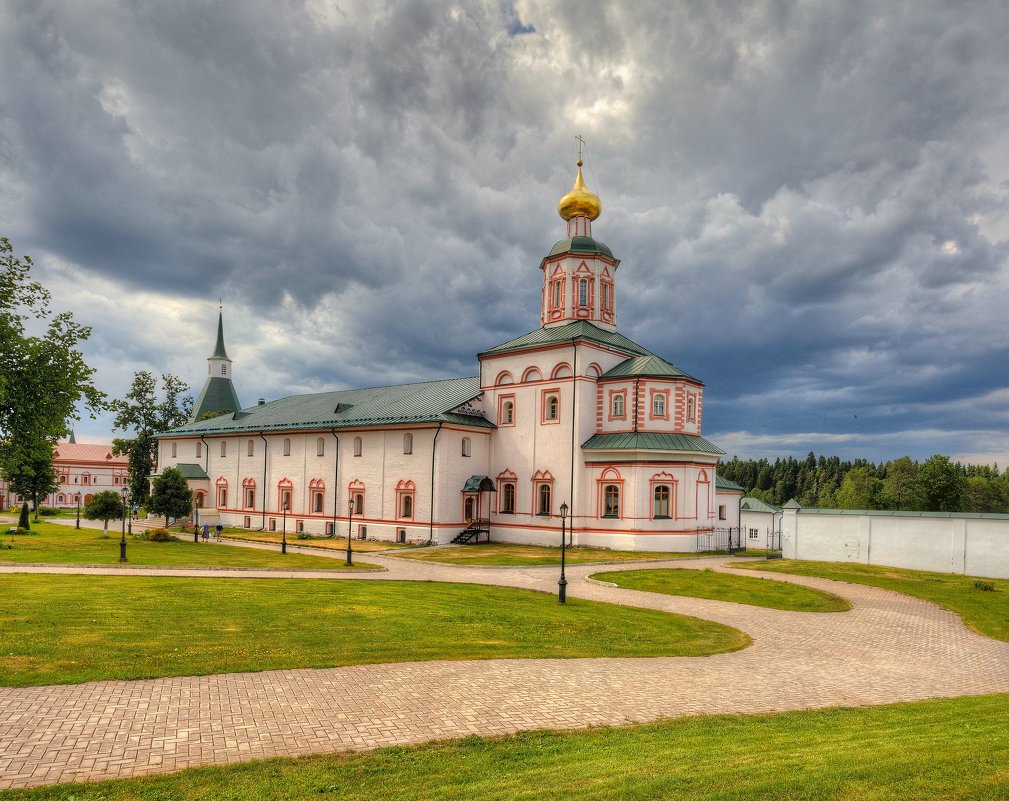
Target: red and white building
{"points": [[572, 415], [83, 470]]}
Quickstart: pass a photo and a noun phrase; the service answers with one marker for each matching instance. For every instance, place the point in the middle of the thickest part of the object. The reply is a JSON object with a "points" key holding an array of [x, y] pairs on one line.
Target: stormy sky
{"points": [[810, 199]]}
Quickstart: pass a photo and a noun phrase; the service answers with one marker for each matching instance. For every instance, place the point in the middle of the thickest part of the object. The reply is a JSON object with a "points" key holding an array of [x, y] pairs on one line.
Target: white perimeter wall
{"points": [[974, 545]]}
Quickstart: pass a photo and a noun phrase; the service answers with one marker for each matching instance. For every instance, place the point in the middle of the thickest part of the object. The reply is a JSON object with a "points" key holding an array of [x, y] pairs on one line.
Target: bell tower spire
{"points": [[218, 395], [579, 272]]}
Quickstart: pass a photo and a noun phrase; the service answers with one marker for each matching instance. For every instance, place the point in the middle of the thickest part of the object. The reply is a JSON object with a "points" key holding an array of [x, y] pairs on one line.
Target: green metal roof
{"points": [[580, 330], [722, 483], [650, 441], [219, 351], [749, 504], [650, 365], [580, 244], [430, 401], [192, 472], [218, 395], [479, 484]]}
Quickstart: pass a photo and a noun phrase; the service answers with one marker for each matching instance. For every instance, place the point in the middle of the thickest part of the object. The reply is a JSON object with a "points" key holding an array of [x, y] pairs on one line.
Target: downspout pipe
{"points": [[434, 450], [266, 450], [336, 482], [574, 406]]}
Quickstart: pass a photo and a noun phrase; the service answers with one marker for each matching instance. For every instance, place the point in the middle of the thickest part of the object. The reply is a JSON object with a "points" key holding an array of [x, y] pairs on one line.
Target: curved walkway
{"points": [[888, 648]]}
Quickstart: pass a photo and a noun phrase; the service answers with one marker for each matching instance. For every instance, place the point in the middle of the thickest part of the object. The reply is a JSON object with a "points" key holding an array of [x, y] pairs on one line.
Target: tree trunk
{"points": [[106, 528], [35, 498]]}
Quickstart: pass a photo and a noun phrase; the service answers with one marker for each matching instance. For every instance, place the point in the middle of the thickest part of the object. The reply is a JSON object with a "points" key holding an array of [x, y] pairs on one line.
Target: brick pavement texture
{"points": [[888, 648]]}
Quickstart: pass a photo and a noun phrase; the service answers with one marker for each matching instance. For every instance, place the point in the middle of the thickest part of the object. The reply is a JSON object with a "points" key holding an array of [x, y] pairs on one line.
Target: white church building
{"points": [[572, 414]]}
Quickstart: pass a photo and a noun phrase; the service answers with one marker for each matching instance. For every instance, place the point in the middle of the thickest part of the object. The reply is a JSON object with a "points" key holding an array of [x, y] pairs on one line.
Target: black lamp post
{"points": [[562, 585], [283, 535], [122, 542], [196, 525], [350, 518], [78, 497]]}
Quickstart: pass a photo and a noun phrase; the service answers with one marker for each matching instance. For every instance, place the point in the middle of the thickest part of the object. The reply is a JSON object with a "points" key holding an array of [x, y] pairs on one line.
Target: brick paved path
{"points": [[890, 647]]}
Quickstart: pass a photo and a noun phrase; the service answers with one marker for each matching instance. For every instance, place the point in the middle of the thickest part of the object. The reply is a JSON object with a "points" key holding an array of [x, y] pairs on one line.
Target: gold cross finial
{"points": [[581, 144]]}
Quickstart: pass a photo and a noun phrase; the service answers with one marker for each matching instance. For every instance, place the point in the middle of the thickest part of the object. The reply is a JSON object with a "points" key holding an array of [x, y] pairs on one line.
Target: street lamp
{"points": [[122, 542], [78, 497], [350, 517], [283, 536], [562, 585], [196, 525]]}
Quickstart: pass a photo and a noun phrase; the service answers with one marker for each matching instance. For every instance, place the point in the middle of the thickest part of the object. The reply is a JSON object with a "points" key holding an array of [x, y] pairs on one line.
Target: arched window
{"points": [[557, 295], [465, 446], [251, 447], [199, 449], [359, 503], [508, 499], [175, 448], [317, 502], [224, 448], [552, 407], [358, 446], [611, 500], [222, 497], [691, 408], [543, 505], [583, 291], [287, 446], [320, 447], [660, 501], [508, 413], [606, 295], [659, 406], [406, 506], [408, 443], [618, 405]]}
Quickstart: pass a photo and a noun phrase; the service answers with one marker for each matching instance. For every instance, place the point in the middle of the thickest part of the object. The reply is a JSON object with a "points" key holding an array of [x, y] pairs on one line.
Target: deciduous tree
{"points": [[145, 415], [170, 495], [105, 506], [43, 376]]}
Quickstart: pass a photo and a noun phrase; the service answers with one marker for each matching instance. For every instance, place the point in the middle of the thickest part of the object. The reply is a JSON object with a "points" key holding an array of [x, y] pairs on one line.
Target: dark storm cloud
{"points": [[810, 199]]}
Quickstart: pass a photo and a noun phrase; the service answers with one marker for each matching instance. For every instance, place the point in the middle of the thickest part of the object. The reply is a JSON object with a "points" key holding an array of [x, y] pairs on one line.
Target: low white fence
{"points": [[970, 544]]}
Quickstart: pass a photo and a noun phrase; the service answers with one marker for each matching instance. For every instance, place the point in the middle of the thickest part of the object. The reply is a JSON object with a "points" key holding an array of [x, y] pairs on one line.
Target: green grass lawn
{"points": [[947, 749], [326, 543], [502, 554], [986, 612], [69, 629], [725, 587], [58, 544]]}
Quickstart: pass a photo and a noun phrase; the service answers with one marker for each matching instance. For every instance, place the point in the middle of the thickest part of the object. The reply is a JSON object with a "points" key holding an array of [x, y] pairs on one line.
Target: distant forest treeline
{"points": [[935, 485]]}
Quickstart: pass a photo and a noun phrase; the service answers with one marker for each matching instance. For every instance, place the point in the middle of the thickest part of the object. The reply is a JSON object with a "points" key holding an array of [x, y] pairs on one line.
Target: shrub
{"points": [[23, 520], [304, 536], [140, 536], [160, 535], [984, 586], [48, 511]]}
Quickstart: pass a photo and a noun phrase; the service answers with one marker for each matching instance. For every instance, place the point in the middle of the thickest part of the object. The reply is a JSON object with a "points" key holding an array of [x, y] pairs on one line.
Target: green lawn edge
{"points": [[714, 586], [949, 748], [506, 554], [985, 611], [56, 544], [67, 629]]}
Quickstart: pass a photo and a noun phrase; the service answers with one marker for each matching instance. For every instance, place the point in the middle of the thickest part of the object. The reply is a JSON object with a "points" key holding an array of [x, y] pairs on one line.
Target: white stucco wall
{"points": [[976, 545]]}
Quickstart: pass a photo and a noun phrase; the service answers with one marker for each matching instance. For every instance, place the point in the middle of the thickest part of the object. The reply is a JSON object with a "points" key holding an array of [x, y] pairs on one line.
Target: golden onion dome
{"points": [[580, 202]]}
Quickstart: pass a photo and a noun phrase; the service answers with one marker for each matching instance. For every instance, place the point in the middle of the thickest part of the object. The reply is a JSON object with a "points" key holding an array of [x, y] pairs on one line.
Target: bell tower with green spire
{"points": [[218, 395]]}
